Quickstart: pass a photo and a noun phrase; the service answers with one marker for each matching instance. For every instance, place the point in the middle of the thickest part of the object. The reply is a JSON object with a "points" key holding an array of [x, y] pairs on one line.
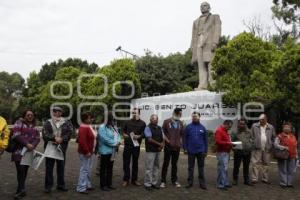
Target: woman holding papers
{"points": [[86, 143], [27, 137], [109, 140]]}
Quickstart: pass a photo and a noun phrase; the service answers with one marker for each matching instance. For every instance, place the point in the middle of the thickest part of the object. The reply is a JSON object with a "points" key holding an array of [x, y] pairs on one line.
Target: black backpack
{"points": [[12, 143]]}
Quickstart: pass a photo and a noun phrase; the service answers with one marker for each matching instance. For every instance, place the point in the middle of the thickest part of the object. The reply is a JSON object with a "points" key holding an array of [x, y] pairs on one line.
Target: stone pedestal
{"points": [[209, 104]]}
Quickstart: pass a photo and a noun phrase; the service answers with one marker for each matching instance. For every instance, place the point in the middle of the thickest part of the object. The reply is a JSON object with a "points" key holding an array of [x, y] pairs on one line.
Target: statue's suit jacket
{"points": [[210, 29]]}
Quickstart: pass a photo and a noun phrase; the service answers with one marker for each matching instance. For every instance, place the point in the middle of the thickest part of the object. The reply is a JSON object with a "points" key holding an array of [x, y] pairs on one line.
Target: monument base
{"points": [[199, 89], [209, 104]]}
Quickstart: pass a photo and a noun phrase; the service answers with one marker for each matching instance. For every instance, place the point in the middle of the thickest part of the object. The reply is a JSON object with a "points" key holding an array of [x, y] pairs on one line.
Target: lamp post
{"points": [[127, 52]]}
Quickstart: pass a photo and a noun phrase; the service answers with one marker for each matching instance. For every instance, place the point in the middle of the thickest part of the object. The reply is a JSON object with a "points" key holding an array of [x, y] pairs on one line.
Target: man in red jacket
{"points": [[223, 144]]}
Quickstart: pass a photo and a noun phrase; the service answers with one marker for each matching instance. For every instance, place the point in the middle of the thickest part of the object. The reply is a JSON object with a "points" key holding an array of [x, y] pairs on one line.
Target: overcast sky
{"points": [[33, 32]]}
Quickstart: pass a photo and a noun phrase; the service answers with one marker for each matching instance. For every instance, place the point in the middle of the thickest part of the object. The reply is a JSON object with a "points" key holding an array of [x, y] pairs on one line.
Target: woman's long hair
{"points": [[110, 122], [24, 116]]}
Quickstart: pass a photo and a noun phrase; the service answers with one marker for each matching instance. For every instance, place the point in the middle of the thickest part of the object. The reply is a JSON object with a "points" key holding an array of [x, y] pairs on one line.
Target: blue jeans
{"points": [[286, 171], [84, 180], [223, 161]]}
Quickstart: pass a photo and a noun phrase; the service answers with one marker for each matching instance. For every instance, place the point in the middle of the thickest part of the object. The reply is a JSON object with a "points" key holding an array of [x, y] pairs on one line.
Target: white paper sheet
{"points": [[27, 157], [24, 150], [33, 159], [38, 158], [237, 145], [53, 151], [135, 142]]}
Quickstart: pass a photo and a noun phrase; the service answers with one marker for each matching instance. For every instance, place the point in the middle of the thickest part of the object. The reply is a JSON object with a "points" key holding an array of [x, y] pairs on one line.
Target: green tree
{"points": [[39, 97], [288, 77], [39, 83], [48, 71], [224, 39], [244, 70], [11, 86], [165, 75], [122, 70], [288, 11]]}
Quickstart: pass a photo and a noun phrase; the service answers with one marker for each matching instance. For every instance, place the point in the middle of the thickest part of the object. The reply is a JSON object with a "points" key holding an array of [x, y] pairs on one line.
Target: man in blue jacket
{"points": [[196, 144]]}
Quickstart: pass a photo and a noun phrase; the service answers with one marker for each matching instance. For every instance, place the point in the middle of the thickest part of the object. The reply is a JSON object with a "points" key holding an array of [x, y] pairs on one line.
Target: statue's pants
{"points": [[205, 69]]}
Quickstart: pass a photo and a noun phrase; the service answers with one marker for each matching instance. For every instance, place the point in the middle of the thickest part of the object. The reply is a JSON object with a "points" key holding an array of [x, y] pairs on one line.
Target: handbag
{"points": [[12, 143], [281, 154]]}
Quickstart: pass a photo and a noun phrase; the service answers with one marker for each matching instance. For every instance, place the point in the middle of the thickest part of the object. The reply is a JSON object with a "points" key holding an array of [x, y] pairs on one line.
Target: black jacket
{"points": [[66, 132]]}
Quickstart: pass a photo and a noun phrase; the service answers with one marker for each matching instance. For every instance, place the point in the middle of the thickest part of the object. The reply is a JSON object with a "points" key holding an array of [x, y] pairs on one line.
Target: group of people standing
{"points": [[254, 145], [258, 146], [25, 135]]}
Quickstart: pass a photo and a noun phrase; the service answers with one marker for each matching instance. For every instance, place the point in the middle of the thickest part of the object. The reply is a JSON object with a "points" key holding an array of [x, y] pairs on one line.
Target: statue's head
{"points": [[205, 7]]}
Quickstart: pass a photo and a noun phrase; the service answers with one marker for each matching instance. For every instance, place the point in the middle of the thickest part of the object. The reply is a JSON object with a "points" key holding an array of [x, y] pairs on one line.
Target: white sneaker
{"points": [[163, 185], [176, 184]]}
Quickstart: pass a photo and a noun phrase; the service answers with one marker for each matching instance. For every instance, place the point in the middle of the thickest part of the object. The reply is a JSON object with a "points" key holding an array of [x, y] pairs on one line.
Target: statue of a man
{"points": [[205, 38]]}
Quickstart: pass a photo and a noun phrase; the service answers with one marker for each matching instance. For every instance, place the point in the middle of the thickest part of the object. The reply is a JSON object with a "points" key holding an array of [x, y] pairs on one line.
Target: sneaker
{"points": [[62, 188], [19, 195], [203, 187], [111, 188], [136, 183], [105, 189], [266, 182], [177, 184], [125, 184], [163, 185], [84, 192], [155, 187], [248, 183]]}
